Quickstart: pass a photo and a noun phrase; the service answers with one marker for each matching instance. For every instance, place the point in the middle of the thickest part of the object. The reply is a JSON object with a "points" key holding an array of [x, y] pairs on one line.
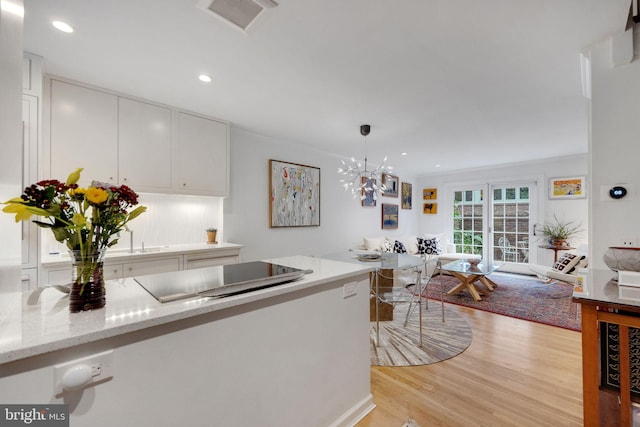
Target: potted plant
{"points": [[211, 235], [560, 231]]}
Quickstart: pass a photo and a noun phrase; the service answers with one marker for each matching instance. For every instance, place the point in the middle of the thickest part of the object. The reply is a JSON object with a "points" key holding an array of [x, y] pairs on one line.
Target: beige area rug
{"points": [[399, 345]]}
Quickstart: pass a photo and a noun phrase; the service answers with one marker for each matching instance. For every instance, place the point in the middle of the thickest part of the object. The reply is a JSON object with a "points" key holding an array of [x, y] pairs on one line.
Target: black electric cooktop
{"points": [[218, 281]]}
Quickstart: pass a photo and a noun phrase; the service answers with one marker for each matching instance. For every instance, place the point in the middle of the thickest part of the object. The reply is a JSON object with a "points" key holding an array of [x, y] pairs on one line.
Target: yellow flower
{"points": [[96, 195], [77, 191], [78, 219], [20, 209], [74, 176]]}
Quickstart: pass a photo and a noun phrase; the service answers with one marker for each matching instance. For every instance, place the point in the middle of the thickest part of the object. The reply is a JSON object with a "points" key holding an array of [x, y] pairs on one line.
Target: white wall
{"points": [[11, 137], [343, 221], [540, 171], [615, 149]]}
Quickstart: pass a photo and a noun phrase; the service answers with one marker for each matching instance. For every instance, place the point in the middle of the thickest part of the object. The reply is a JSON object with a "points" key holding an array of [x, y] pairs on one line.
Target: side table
{"points": [[555, 250]]}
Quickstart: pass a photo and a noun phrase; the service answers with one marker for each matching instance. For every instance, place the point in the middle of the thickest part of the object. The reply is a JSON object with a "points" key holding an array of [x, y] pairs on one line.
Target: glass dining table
{"points": [[382, 262]]}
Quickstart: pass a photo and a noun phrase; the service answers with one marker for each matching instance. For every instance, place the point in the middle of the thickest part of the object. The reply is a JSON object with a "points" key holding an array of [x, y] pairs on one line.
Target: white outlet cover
{"points": [[104, 360]]}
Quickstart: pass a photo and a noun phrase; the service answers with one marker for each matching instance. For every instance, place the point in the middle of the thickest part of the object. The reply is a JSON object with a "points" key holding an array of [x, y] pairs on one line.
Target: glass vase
{"points": [[87, 286]]}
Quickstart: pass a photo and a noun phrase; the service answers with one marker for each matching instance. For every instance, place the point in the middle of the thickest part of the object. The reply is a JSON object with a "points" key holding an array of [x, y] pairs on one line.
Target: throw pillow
{"points": [[374, 243], [399, 248], [567, 263], [387, 246], [429, 246]]}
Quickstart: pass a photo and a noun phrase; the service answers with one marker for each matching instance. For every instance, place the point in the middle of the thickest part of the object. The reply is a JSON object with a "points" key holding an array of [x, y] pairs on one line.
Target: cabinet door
{"points": [[141, 268], [29, 175], [144, 144], [202, 156], [210, 262], [84, 133]]}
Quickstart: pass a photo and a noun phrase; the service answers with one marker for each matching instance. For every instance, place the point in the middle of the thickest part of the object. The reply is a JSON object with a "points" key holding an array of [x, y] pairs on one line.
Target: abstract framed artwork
{"points": [[430, 193], [430, 208], [573, 187], [367, 196], [294, 195], [389, 216], [407, 195], [390, 183]]}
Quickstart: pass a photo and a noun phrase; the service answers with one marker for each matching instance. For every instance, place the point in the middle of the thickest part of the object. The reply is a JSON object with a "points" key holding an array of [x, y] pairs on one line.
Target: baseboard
{"points": [[355, 413]]}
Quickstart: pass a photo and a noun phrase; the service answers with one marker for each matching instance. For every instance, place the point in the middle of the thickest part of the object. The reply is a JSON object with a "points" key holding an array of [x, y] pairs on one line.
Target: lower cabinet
{"points": [[117, 269], [207, 259]]}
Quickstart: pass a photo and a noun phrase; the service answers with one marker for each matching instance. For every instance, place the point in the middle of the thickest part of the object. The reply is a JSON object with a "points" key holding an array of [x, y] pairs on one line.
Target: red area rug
{"points": [[519, 296]]}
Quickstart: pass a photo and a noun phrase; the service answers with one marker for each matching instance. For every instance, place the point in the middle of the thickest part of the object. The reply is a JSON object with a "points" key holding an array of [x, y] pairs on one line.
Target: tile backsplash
{"points": [[169, 220]]}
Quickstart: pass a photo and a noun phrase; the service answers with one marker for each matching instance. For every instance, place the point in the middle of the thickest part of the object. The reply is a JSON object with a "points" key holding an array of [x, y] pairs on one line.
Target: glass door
{"points": [[469, 224], [512, 218], [498, 227]]}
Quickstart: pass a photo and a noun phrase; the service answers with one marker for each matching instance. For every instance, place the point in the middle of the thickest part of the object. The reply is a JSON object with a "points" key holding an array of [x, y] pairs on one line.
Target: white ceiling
{"points": [[463, 83]]}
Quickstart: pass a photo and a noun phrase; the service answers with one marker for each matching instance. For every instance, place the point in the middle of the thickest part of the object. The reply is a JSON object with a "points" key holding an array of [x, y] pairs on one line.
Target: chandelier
{"points": [[361, 181]]}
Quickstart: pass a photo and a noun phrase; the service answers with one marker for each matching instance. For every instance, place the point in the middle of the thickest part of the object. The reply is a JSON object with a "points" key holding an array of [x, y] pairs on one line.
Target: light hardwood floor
{"points": [[515, 373]]}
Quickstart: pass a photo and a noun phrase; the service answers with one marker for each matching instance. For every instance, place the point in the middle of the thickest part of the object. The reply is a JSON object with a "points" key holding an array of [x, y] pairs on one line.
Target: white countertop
{"points": [[120, 255], [38, 322]]}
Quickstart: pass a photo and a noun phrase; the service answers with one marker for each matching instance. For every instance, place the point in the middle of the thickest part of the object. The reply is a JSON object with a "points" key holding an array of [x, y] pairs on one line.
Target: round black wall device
{"points": [[617, 192]]}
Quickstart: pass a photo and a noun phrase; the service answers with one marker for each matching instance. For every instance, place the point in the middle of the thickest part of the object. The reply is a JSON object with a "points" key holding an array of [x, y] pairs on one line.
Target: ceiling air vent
{"points": [[240, 13]]}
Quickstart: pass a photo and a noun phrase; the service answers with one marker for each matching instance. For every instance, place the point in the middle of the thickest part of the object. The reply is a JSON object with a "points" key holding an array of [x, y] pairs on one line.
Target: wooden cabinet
{"points": [[149, 147], [604, 405], [144, 144], [84, 133], [201, 156]]}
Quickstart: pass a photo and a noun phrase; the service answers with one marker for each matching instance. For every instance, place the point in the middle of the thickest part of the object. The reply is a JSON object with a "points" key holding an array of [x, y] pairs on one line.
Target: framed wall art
{"points": [[367, 196], [568, 188], [430, 208], [407, 195], [294, 195], [430, 193], [391, 184], [389, 216]]}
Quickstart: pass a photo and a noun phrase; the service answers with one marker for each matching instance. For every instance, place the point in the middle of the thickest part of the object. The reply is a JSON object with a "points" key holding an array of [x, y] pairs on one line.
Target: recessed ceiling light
{"points": [[205, 78], [437, 166], [62, 26], [403, 154]]}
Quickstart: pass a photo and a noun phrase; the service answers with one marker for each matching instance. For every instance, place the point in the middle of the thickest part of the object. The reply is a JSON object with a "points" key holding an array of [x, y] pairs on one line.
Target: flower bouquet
{"points": [[87, 220]]}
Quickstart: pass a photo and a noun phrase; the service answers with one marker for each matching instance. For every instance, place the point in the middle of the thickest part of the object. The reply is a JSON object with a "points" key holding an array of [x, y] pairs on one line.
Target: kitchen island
{"points": [[292, 354]]}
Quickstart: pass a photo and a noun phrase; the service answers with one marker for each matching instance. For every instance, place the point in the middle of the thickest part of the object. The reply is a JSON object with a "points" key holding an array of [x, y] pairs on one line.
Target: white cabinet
{"points": [[211, 259], [201, 156], [84, 133], [149, 147], [140, 268], [29, 175], [144, 143]]}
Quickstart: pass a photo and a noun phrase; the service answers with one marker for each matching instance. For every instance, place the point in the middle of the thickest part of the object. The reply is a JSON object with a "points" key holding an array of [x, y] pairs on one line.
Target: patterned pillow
{"points": [[429, 246], [567, 263], [398, 247], [387, 246]]}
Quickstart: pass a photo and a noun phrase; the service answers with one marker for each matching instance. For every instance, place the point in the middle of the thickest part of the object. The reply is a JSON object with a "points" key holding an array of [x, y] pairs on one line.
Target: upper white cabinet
{"points": [[84, 133], [201, 156], [149, 147], [144, 132]]}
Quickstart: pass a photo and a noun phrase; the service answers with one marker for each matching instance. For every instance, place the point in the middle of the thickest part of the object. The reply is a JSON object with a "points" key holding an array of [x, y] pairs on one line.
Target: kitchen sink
{"points": [[146, 250]]}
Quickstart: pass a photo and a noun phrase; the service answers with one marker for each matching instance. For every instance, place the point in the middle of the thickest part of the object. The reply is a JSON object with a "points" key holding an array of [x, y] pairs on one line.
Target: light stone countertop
{"points": [[120, 255], [38, 322]]}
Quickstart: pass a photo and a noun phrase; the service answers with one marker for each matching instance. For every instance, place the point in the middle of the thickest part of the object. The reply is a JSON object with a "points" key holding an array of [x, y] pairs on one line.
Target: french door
{"points": [[496, 221]]}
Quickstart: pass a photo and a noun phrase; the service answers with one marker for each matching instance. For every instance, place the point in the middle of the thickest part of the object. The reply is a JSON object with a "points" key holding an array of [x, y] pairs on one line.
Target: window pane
{"points": [[497, 194], [524, 193], [510, 194]]}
